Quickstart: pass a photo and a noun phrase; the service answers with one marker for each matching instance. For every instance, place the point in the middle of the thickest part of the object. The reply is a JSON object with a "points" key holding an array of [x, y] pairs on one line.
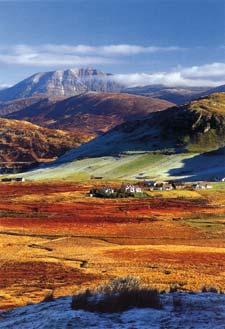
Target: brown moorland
{"points": [[54, 238], [25, 143], [90, 113]]}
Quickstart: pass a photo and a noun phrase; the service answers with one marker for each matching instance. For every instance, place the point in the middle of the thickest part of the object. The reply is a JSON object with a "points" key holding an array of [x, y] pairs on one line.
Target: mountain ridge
{"points": [[90, 113], [177, 95], [77, 81], [64, 83]]}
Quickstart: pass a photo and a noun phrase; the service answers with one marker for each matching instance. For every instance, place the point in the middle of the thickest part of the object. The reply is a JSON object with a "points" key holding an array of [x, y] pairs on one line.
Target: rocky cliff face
{"points": [[61, 83]]}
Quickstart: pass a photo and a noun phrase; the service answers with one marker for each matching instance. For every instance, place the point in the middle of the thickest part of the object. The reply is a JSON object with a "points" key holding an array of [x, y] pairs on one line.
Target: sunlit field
{"points": [[55, 239]]}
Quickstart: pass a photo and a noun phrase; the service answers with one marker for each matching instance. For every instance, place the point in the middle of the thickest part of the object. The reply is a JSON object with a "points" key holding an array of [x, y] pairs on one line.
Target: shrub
{"points": [[209, 289], [119, 295], [49, 297], [121, 284], [81, 301], [174, 288]]}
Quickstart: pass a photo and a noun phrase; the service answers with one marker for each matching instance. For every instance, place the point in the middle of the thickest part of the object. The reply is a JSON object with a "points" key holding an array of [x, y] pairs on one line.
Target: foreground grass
{"points": [[118, 295]]}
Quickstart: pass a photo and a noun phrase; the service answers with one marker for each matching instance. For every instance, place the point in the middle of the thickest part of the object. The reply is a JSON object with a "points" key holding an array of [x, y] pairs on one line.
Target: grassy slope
{"points": [[156, 166], [214, 103], [193, 165], [128, 167]]}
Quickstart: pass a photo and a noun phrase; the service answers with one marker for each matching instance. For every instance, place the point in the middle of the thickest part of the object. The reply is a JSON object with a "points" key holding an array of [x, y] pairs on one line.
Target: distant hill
{"points": [[91, 113], [177, 95], [219, 89], [73, 82], [24, 142], [61, 83], [196, 127], [21, 103]]}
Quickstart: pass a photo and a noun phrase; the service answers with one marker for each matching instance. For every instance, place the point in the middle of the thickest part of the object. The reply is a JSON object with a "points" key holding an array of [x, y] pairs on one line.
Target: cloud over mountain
{"points": [[53, 55], [204, 75]]}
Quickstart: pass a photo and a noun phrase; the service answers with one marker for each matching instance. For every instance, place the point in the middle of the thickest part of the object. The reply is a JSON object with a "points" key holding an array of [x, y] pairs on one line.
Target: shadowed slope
{"points": [[90, 113], [196, 127]]}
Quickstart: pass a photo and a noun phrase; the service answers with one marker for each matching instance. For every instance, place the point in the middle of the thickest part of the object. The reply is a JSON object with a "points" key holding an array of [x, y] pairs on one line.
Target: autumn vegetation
{"points": [[55, 240]]}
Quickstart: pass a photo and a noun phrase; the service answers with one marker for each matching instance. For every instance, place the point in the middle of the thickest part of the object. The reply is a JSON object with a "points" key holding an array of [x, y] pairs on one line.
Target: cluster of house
{"points": [[125, 190], [201, 186], [168, 186], [15, 179]]}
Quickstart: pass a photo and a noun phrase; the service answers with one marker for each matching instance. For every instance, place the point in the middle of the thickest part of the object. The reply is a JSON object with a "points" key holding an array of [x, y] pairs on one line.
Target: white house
{"points": [[129, 188]]}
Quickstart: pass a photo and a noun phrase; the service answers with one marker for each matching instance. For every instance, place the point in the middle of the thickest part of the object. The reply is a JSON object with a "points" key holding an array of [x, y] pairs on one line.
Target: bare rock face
{"points": [[61, 83]]}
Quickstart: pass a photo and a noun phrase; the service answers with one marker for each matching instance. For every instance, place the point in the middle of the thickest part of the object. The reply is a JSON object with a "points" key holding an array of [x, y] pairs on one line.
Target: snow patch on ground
{"points": [[197, 311]]}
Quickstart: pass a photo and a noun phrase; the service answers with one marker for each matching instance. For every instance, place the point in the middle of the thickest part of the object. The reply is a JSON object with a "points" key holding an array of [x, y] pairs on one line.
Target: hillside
{"points": [[23, 143], [196, 127], [16, 105], [219, 89], [179, 143], [91, 113], [61, 83], [177, 95]]}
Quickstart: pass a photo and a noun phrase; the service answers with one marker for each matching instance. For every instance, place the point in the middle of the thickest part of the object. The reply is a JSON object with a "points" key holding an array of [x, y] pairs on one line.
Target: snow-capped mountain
{"points": [[66, 83]]}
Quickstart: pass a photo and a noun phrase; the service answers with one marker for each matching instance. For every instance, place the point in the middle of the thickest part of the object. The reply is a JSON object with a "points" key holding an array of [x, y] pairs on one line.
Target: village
{"points": [[132, 190], [140, 189]]}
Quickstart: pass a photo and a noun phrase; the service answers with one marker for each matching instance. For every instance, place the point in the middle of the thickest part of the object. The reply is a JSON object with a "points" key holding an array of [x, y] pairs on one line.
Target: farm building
{"points": [[201, 186], [126, 190], [16, 179], [159, 186], [129, 188]]}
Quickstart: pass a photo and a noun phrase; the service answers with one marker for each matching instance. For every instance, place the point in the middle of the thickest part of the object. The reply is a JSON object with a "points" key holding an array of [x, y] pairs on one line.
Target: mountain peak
{"points": [[66, 83]]}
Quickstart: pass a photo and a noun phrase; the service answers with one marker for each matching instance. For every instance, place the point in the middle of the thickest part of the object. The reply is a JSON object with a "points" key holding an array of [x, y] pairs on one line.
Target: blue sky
{"points": [[177, 42]]}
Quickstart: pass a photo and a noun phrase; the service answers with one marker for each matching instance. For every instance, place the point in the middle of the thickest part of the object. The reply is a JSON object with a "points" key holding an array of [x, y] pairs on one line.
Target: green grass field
{"points": [[125, 167]]}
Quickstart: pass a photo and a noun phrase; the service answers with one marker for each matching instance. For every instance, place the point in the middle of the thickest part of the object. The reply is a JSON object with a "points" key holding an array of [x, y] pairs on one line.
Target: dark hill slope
{"points": [[16, 105], [91, 113], [196, 127], [219, 89]]}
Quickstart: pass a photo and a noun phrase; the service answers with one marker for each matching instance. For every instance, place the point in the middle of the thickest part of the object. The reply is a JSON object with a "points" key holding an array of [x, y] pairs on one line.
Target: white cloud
{"points": [[46, 59], [4, 85], [134, 49], [205, 75], [47, 55], [108, 50], [51, 55], [205, 71]]}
